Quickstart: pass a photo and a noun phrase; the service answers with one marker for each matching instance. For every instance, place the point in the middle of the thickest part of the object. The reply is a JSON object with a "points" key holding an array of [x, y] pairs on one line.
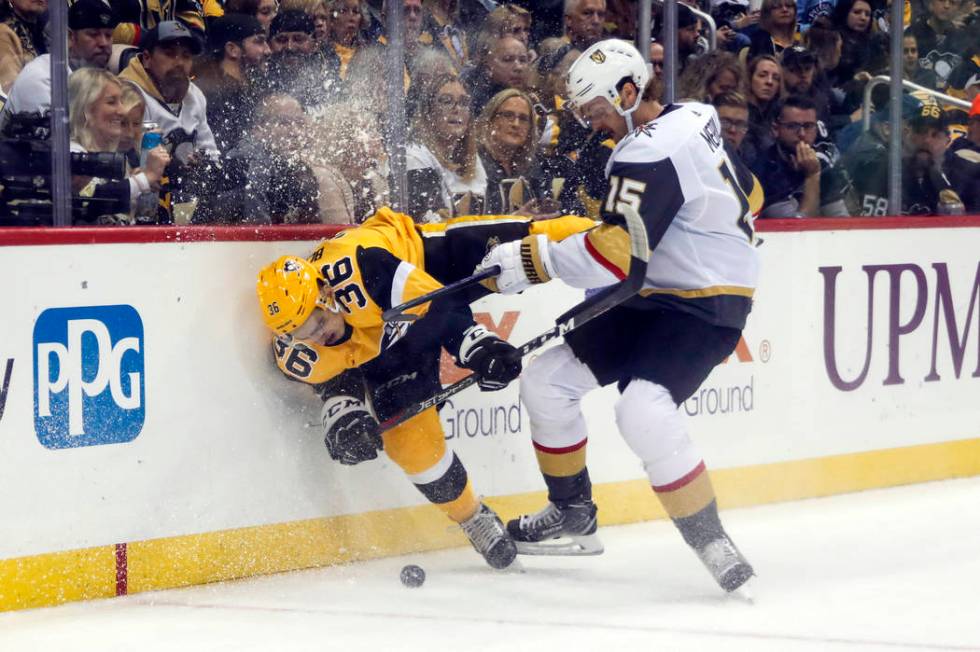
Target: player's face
{"points": [[601, 117], [326, 324]]}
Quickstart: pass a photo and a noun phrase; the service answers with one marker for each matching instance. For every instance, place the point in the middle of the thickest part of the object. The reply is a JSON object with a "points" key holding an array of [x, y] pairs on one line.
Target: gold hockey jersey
{"points": [[382, 263]]}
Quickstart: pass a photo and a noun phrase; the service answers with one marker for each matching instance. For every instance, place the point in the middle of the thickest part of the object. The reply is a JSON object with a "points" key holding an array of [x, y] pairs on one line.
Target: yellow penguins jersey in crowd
{"points": [[387, 261]]}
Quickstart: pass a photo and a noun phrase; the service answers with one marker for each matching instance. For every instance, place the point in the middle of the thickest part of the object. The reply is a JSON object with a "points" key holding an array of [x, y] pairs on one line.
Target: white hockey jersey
{"points": [[698, 205]]}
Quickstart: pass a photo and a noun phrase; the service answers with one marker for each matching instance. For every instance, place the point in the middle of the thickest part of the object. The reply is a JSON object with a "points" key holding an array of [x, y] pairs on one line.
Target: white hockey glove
{"points": [[495, 362], [350, 431], [523, 263]]}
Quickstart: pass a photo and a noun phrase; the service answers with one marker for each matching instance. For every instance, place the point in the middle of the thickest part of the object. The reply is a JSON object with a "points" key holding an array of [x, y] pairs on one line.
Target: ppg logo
{"points": [[88, 376]]}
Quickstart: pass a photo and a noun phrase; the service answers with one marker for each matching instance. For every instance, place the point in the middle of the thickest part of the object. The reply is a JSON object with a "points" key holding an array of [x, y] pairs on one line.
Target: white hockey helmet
{"points": [[598, 71]]}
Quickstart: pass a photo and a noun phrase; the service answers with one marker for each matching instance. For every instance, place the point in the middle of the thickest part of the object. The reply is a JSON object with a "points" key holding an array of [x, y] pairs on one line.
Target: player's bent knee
{"points": [[552, 387]]}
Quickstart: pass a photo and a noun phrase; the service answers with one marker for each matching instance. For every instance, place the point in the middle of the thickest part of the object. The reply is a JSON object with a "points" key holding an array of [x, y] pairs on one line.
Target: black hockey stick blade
{"points": [[583, 312], [398, 312]]}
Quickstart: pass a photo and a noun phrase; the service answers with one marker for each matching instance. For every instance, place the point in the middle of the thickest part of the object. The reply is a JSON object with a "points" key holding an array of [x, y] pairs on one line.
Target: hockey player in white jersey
{"points": [[697, 203]]}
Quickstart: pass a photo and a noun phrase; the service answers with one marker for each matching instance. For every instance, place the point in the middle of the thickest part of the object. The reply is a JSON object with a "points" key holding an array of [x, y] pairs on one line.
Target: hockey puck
{"points": [[413, 576]]}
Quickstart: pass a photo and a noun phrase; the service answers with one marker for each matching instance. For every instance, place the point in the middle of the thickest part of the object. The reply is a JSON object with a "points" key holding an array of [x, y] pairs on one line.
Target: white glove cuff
{"points": [[338, 406]]}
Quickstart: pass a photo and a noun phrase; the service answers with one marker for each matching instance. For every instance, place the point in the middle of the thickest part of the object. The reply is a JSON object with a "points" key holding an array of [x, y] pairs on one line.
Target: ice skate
{"points": [[727, 565], [486, 532], [574, 525]]}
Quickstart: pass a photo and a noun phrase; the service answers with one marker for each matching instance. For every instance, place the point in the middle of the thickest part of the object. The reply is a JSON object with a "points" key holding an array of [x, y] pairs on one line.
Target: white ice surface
{"points": [[894, 569]]}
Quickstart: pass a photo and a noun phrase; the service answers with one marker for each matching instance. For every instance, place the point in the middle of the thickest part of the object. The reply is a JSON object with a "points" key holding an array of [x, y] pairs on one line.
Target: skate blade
{"points": [[577, 547], [744, 593], [515, 568]]}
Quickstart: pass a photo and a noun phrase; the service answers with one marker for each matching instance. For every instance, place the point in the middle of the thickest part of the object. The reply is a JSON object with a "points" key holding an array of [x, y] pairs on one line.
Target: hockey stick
{"points": [[398, 312], [580, 314]]}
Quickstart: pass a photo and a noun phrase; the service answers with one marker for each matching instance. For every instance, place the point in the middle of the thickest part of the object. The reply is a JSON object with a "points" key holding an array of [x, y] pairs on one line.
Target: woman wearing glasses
{"points": [[445, 175], [507, 137]]}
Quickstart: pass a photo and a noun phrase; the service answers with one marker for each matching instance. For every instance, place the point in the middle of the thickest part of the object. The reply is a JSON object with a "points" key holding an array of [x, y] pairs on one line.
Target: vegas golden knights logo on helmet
{"points": [[598, 56]]}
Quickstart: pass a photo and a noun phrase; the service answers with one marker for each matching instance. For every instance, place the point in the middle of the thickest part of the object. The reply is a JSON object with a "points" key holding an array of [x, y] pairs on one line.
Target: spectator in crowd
{"points": [[268, 178], [445, 175], [943, 37], [964, 81], [264, 10], [97, 113], [789, 170], [296, 68], [853, 20], [138, 17], [708, 76], [321, 23], [763, 84], [500, 62], [690, 44], [133, 107], [162, 74], [425, 66], [826, 44], [21, 36], [416, 37], [507, 136], [962, 164], [447, 28], [509, 20], [776, 30], [912, 69], [925, 189], [232, 74], [727, 14], [733, 114], [800, 77], [584, 22], [344, 32], [90, 26], [657, 57], [350, 149]]}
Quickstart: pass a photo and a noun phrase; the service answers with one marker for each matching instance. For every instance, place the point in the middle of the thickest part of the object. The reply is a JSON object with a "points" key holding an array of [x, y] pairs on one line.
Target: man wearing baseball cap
{"points": [[925, 189], [162, 73], [90, 26], [962, 163], [229, 78]]}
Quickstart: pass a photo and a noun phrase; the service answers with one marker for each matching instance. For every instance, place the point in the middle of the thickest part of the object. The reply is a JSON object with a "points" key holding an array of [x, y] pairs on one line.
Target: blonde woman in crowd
{"points": [[97, 113], [445, 175], [507, 135]]}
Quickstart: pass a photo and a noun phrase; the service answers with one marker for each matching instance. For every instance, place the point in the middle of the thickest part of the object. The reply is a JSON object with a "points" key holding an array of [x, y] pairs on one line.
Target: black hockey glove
{"points": [[495, 362], [350, 432]]}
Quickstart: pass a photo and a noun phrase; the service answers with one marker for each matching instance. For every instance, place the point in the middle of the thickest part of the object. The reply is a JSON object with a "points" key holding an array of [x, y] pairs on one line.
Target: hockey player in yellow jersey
{"points": [[697, 202], [326, 312]]}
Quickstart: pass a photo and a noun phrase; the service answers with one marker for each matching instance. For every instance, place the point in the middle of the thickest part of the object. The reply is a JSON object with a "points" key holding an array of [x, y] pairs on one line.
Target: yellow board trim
{"points": [[713, 291], [54, 578]]}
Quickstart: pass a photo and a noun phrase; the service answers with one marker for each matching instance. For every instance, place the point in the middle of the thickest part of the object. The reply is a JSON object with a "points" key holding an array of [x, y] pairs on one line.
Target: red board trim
{"points": [[151, 234], [32, 236]]}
